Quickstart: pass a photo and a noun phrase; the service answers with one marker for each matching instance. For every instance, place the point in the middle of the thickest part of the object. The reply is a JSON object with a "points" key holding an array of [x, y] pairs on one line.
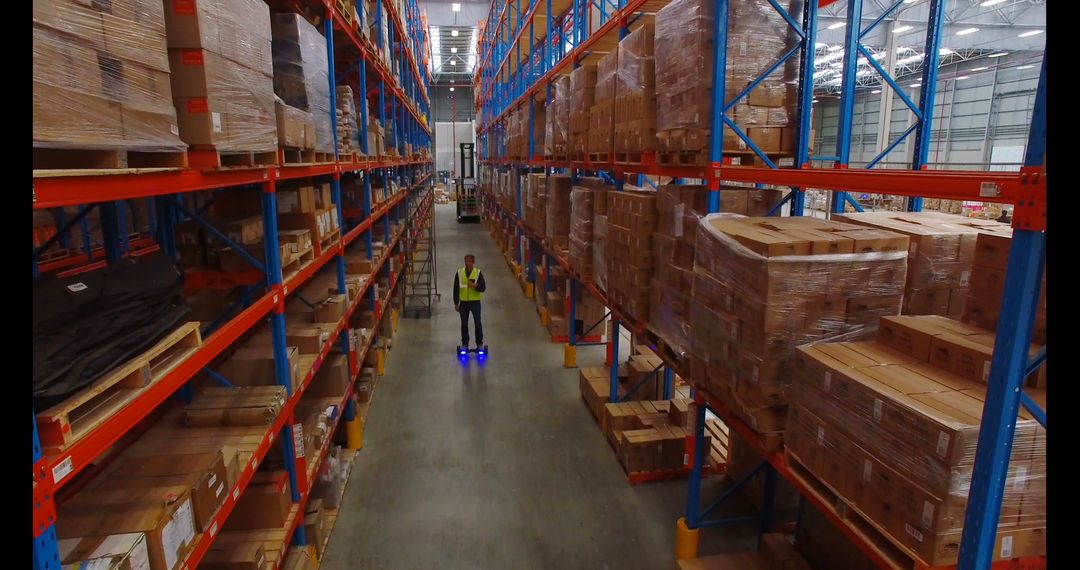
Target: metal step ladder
{"points": [[421, 288]]}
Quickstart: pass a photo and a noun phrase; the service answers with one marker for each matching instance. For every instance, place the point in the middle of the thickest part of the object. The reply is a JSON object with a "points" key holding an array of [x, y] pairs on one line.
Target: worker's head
{"points": [[470, 260]]}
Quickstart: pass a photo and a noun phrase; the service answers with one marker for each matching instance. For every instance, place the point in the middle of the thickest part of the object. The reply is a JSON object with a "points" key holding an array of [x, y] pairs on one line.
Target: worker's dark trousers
{"points": [[474, 308]]}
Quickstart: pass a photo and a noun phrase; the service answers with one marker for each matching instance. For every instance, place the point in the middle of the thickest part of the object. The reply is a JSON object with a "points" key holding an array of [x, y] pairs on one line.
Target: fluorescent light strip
{"points": [[980, 68], [989, 3], [1025, 67], [999, 54], [1031, 33], [963, 77], [903, 29], [836, 26], [967, 31]]}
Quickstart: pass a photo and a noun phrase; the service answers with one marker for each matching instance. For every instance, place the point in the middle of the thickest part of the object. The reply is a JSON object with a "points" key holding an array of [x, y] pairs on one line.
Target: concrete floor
{"points": [[497, 465]]}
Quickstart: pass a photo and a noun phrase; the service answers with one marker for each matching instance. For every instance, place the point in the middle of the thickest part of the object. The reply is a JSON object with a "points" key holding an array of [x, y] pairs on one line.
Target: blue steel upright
{"points": [[716, 134], [847, 96], [927, 92], [1009, 364]]}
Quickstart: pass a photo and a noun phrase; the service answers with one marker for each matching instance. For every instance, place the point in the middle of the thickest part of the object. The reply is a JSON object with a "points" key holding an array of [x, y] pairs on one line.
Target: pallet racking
{"points": [[517, 69], [403, 107]]}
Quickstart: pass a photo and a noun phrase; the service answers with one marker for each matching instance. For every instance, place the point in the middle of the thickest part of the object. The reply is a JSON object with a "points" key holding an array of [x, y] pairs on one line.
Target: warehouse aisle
{"points": [[492, 466]]}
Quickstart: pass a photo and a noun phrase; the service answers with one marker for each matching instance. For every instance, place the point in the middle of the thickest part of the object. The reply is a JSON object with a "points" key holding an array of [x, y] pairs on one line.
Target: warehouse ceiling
{"points": [[453, 57]]}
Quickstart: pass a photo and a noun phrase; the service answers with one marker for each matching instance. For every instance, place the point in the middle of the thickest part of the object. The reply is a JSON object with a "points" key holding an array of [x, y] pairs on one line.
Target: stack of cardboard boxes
{"points": [[376, 137], [223, 74], [557, 122], [757, 36], [536, 203], [635, 93], [348, 124], [599, 242], [983, 306], [940, 256], [648, 435], [557, 226], [763, 286], [678, 211], [631, 224], [894, 434], [582, 95], [753, 202], [300, 73], [101, 76], [601, 133]]}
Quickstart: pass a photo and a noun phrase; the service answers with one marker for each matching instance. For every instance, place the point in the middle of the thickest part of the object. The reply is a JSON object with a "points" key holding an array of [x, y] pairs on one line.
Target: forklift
{"points": [[468, 202]]}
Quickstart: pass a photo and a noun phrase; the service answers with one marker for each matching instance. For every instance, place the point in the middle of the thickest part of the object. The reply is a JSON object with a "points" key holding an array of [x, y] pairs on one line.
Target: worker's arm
{"points": [[457, 295], [480, 285]]}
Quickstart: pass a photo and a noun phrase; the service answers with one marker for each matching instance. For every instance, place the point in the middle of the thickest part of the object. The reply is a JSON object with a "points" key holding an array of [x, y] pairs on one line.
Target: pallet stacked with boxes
{"points": [[763, 286], [582, 95], [678, 210], [557, 226], [583, 200], [757, 36], [983, 306], [631, 224], [102, 83], [348, 124], [940, 256], [635, 96], [601, 131], [599, 241], [557, 121], [223, 74], [301, 77], [536, 203], [891, 425]]}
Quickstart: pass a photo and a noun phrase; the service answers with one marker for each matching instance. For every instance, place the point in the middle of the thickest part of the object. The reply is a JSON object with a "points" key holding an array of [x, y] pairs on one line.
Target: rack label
{"points": [[62, 469], [914, 532], [298, 440], [77, 287], [877, 410], [1006, 546], [828, 381], [942, 443], [989, 189], [927, 514]]}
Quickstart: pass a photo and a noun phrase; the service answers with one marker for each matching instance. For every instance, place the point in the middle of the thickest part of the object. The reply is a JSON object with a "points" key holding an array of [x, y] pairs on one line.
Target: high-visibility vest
{"points": [[466, 293]]}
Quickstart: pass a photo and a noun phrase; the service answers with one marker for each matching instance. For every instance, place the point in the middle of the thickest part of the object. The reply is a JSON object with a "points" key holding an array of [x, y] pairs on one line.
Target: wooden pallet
{"points": [[328, 241], [297, 262], [720, 444], [627, 157], [599, 157], [210, 157], [65, 423], [289, 155], [68, 159], [750, 158], [555, 158], [683, 158]]}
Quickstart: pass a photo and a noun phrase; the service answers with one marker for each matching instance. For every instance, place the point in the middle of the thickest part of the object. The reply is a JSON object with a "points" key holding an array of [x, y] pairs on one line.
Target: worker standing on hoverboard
{"points": [[468, 285]]}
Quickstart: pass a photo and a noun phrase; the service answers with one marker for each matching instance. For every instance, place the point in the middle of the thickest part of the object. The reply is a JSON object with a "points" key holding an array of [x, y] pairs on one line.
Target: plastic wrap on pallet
{"points": [[101, 77], [348, 121], [763, 286], [581, 228], [599, 249], [222, 73], [294, 126], [757, 36], [679, 207], [635, 92], [601, 115], [940, 257], [896, 437], [561, 109], [557, 209], [300, 72]]}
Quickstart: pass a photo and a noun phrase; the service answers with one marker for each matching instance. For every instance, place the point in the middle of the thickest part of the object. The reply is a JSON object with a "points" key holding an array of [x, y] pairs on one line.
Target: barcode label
{"points": [[62, 469], [1006, 546], [877, 410], [942, 444], [76, 287], [927, 514], [866, 470], [828, 381]]}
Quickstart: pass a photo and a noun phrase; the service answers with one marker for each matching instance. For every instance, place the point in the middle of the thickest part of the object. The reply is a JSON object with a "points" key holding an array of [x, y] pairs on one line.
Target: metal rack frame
{"points": [[405, 104], [508, 79]]}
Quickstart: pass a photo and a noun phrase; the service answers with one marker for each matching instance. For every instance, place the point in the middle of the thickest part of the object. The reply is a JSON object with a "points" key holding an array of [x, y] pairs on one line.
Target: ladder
{"points": [[421, 288]]}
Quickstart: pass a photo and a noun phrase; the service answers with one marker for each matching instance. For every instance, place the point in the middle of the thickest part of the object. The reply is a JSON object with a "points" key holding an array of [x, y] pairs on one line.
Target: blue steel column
{"points": [[613, 386], [669, 382], [806, 99], [110, 231], [1008, 366], [693, 495], [716, 134], [572, 321], [363, 102], [282, 373], [928, 90], [847, 96], [328, 31], [46, 554]]}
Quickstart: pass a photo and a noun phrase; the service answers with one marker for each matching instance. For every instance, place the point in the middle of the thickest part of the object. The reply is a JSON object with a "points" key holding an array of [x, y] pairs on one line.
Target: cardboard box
{"points": [[246, 231], [298, 241], [115, 552], [315, 524], [332, 378], [307, 339], [332, 310], [204, 473], [300, 199], [164, 515], [264, 504], [234, 556], [254, 366]]}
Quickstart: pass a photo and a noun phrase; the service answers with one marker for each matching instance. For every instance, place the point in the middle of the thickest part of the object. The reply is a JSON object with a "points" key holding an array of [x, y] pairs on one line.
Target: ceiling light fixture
{"points": [[451, 89], [1031, 33], [455, 7], [1025, 67], [876, 91], [453, 33], [967, 31], [453, 50], [903, 29], [980, 68], [916, 84], [836, 26], [999, 54], [962, 77], [819, 45], [989, 3], [944, 51]]}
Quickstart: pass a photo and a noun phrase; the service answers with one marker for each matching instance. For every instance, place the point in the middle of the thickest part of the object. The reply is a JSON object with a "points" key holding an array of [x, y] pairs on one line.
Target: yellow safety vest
{"points": [[466, 293]]}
